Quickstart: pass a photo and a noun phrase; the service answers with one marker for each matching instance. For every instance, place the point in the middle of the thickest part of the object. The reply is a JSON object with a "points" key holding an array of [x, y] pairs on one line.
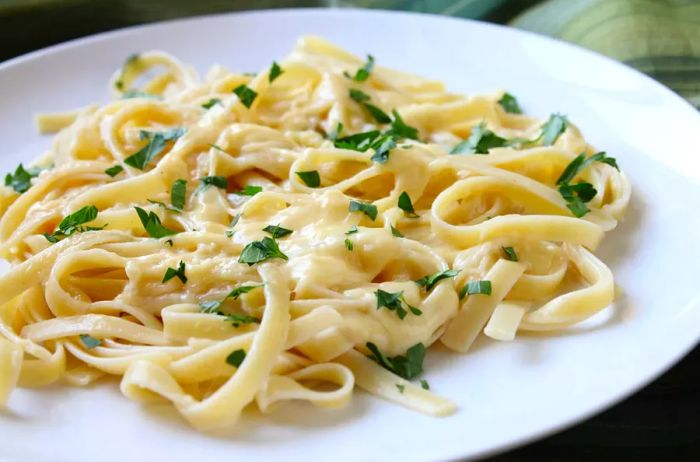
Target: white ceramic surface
{"points": [[508, 393]]}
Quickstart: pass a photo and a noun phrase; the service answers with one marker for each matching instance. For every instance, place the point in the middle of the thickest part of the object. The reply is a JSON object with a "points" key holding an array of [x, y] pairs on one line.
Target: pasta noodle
{"points": [[253, 239]]}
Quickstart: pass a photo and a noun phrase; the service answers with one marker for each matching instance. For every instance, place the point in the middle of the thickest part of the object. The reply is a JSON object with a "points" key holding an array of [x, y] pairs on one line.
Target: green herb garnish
{"points": [[240, 290], [431, 280], [73, 223], [245, 94], [20, 181], [277, 231], [215, 180], [348, 244], [114, 170], [363, 73], [211, 103], [151, 223], [475, 287], [399, 129], [156, 144], [407, 367], [177, 194], [89, 341], [406, 205], [555, 126], [394, 301], [395, 232], [480, 141], [510, 253], [510, 104], [424, 384], [275, 71], [368, 209], [311, 178], [236, 358], [179, 273], [258, 251]]}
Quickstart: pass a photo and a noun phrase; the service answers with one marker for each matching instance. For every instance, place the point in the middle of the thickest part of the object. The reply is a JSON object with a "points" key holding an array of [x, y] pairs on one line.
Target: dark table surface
{"points": [[660, 421]]}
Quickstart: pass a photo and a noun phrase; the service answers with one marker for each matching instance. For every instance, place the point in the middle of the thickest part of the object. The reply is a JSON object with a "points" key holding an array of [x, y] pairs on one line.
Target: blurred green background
{"points": [[658, 37]]}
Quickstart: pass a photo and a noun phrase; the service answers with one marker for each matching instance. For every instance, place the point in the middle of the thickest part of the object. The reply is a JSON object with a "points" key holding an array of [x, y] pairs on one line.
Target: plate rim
{"points": [[643, 379]]}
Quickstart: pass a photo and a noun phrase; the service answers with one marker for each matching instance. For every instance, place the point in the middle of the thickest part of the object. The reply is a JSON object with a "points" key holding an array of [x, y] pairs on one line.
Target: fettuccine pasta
{"points": [[250, 239]]}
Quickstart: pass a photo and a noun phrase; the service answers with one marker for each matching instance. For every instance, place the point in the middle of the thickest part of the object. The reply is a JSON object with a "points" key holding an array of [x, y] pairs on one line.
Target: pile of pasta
{"points": [[250, 239]]}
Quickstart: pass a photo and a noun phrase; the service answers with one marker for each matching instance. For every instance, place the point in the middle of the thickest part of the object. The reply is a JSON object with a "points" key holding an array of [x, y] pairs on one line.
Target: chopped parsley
{"points": [[480, 141], [310, 178], [114, 170], [151, 223], [275, 71], [258, 251], [240, 290], [358, 95], [219, 181], [237, 319], [20, 181], [406, 205], [400, 387], [177, 194], [395, 232], [431, 280], [361, 97], [555, 126], [353, 230], [245, 94], [357, 142], [348, 244], [424, 384], [277, 231], [236, 358], [211, 103], [165, 206], [399, 129], [179, 273], [576, 196], [249, 190], [407, 367], [363, 73], [130, 60], [510, 253], [335, 133], [475, 287], [368, 209], [382, 147], [129, 94], [580, 162], [89, 341], [73, 223], [509, 103], [156, 144], [394, 301]]}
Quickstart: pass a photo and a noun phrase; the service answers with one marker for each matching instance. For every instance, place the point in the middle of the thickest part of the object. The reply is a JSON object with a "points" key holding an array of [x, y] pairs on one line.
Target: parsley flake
{"points": [[509, 103], [177, 194], [277, 231], [394, 301], [348, 244], [510, 253], [275, 71], [480, 141], [73, 223], [311, 178], [424, 384], [364, 207], [156, 144], [406, 205], [245, 94], [382, 147], [211, 103], [151, 223], [475, 287], [179, 273], [258, 251], [236, 358], [555, 126], [219, 181], [89, 341], [20, 181], [363, 73], [114, 170], [400, 387], [395, 232], [407, 367], [431, 280], [399, 129]]}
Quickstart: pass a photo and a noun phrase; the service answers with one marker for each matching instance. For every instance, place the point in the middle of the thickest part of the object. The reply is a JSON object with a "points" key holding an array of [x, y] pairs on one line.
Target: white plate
{"points": [[508, 393]]}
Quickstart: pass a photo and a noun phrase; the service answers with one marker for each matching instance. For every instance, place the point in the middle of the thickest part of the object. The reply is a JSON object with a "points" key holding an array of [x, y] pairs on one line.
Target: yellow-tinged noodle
{"points": [[97, 303]]}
